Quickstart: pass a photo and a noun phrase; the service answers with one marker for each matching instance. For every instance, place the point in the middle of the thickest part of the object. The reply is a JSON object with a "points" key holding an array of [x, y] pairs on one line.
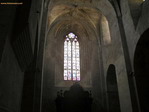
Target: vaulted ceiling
{"points": [[74, 15]]}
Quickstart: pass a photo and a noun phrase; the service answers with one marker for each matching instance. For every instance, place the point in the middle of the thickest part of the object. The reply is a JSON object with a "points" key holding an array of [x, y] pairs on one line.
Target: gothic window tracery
{"points": [[71, 58]]}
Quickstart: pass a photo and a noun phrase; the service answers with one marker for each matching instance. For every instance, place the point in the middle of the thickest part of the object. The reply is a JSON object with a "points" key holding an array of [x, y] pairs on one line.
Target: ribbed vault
{"points": [[66, 18], [83, 21], [100, 45]]}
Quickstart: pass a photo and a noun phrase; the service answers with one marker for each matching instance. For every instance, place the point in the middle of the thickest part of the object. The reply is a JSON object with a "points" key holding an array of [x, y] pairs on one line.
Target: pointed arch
{"points": [[71, 58]]}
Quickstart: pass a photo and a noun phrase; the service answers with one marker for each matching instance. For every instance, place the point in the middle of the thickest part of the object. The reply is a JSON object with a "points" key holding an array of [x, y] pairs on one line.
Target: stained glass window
{"points": [[71, 58]]}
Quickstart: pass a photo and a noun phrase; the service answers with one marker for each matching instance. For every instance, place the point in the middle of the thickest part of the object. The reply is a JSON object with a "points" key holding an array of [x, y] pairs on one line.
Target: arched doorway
{"points": [[141, 68], [112, 90]]}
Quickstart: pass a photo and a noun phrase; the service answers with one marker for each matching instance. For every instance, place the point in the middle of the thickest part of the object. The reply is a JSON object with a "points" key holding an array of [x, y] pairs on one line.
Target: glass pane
{"points": [[71, 58], [65, 78], [74, 78], [71, 35], [78, 78]]}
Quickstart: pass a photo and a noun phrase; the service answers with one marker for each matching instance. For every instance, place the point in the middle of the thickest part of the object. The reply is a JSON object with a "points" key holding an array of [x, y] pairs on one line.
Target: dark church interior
{"points": [[74, 55]]}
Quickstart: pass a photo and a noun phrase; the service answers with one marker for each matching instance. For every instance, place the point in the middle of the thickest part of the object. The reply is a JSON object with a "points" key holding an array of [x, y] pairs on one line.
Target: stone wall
{"points": [[143, 23], [11, 81], [110, 54]]}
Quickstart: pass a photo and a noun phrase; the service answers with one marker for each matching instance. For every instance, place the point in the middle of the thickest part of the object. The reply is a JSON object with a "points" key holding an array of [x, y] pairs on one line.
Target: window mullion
{"points": [[71, 62]]}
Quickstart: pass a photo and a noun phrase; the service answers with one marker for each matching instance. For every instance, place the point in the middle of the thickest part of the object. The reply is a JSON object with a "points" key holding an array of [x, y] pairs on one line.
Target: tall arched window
{"points": [[71, 58]]}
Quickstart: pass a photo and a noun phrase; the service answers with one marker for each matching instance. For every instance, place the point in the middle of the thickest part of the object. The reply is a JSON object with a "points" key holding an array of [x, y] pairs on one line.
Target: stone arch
{"points": [[56, 34], [141, 68], [53, 58], [65, 26]]}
